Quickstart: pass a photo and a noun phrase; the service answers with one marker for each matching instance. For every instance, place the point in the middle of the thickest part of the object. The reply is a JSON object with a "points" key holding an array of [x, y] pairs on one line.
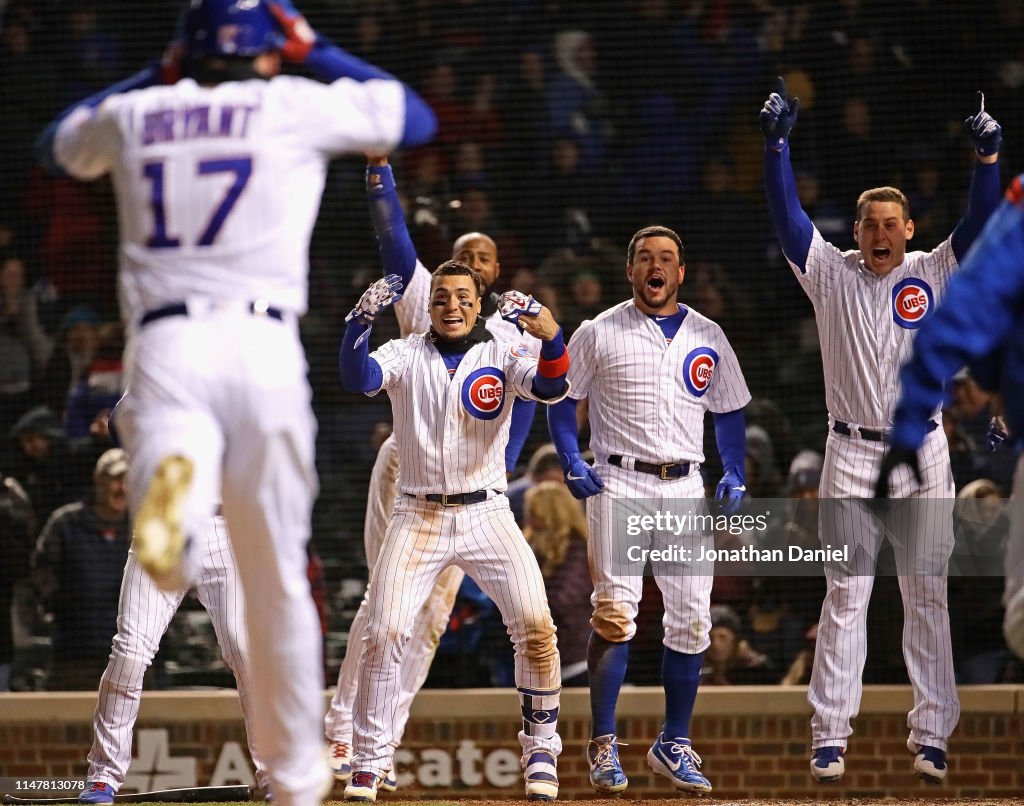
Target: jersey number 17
{"points": [[241, 167]]}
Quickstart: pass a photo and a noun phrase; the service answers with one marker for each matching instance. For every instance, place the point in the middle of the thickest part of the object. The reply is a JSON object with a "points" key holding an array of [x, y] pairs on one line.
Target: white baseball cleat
{"points": [[362, 788], [541, 775], [159, 527], [827, 764], [929, 762], [339, 759]]}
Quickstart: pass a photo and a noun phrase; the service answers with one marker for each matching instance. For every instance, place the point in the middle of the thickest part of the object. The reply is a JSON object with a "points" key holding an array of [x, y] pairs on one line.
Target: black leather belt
{"points": [[181, 309], [454, 499], [869, 434], [672, 470]]}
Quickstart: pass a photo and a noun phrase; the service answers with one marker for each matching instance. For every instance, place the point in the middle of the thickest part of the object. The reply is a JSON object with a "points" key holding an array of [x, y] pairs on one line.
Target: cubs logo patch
{"points": [[519, 352], [483, 393], [912, 299], [698, 370]]}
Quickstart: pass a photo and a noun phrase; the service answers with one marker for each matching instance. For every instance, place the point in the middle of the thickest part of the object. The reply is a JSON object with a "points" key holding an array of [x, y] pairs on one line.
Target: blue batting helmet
{"points": [[243, 28]]}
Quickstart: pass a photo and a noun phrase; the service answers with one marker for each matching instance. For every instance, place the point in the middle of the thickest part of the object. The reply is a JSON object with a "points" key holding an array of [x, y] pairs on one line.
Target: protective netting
{"points": [[564, 127]]}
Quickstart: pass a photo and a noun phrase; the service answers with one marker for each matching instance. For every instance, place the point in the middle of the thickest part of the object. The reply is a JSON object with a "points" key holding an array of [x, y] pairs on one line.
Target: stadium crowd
{"points": [[564, 126]]}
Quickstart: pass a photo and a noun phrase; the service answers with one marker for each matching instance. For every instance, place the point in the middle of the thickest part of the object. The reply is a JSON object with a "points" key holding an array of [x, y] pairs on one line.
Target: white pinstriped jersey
{"points": [[413, 314], [452, 430], [218, 187], [648, 398], [867, 323]]}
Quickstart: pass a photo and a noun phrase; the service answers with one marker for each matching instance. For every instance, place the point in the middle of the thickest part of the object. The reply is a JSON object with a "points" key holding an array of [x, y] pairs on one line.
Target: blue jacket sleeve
{"points": [[564, 430], [519, 430], [328, 62], [731, 438], [978, 311], [982, 200], [359, 372], [44, 143], [792, 225], [397, 253]]}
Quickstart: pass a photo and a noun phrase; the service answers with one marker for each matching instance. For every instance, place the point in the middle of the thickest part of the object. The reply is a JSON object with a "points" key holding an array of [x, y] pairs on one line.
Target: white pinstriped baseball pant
{"points": [[144, 613], [422, 540], [923, 539]]}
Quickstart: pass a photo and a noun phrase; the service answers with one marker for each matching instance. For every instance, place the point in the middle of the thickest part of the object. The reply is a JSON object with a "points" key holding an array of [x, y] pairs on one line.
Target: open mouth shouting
{"points": [[881, 254], [452, 323]]}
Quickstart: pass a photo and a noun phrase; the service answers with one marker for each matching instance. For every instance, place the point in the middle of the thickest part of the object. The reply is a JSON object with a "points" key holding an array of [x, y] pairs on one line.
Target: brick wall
{"points": [[754, 741]]}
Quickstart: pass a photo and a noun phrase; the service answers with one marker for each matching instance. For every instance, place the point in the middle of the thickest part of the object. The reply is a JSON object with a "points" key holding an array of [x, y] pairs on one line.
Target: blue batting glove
{"points": [[778, 116], [380, 295], [730, 492], [984, 131], [581, 479]]}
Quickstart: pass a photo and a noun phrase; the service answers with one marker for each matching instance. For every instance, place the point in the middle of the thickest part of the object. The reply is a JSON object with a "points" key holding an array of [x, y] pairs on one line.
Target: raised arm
{"points": [[983, 197], [44, 146], [397, 253], [359, 371], [792, 225], [300, 44]]}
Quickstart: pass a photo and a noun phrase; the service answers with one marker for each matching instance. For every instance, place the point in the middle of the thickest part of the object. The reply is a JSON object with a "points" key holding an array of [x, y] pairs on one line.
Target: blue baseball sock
{"points": [[680, 674], [606, 665]]}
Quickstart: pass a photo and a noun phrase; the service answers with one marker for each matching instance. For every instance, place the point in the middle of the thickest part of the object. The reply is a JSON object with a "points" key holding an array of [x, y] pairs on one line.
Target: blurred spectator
{"points": [[41, 461], [976, 623], [17, 530], [964, 457], [29, 93], [556, 529], [762, 475], [19, 312], [93, 55], [524, 115], [566, 201], [101, 387], [70, 360], [576, 105], [730, 660], [462, 661], [76, 570], [543, 466]]}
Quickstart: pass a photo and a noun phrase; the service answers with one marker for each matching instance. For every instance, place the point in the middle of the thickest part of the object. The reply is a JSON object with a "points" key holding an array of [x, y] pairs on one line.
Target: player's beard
{"points": [[657, 297]]}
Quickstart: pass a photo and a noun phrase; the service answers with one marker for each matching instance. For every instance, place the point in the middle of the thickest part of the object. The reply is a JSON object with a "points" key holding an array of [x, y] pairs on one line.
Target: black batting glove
{"points": [[894, 457]]}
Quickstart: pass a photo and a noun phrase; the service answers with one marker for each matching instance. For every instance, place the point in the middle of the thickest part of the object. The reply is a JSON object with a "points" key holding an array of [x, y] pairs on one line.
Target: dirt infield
{"points": [[711, 799]]}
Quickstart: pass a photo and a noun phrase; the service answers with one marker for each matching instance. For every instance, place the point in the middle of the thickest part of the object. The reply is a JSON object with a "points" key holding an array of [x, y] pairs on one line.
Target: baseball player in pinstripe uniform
{"points": [[869, 303], [650, 368], [144, 613], [398, 256], [980, 322], [218, 178], [449, 389]]}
